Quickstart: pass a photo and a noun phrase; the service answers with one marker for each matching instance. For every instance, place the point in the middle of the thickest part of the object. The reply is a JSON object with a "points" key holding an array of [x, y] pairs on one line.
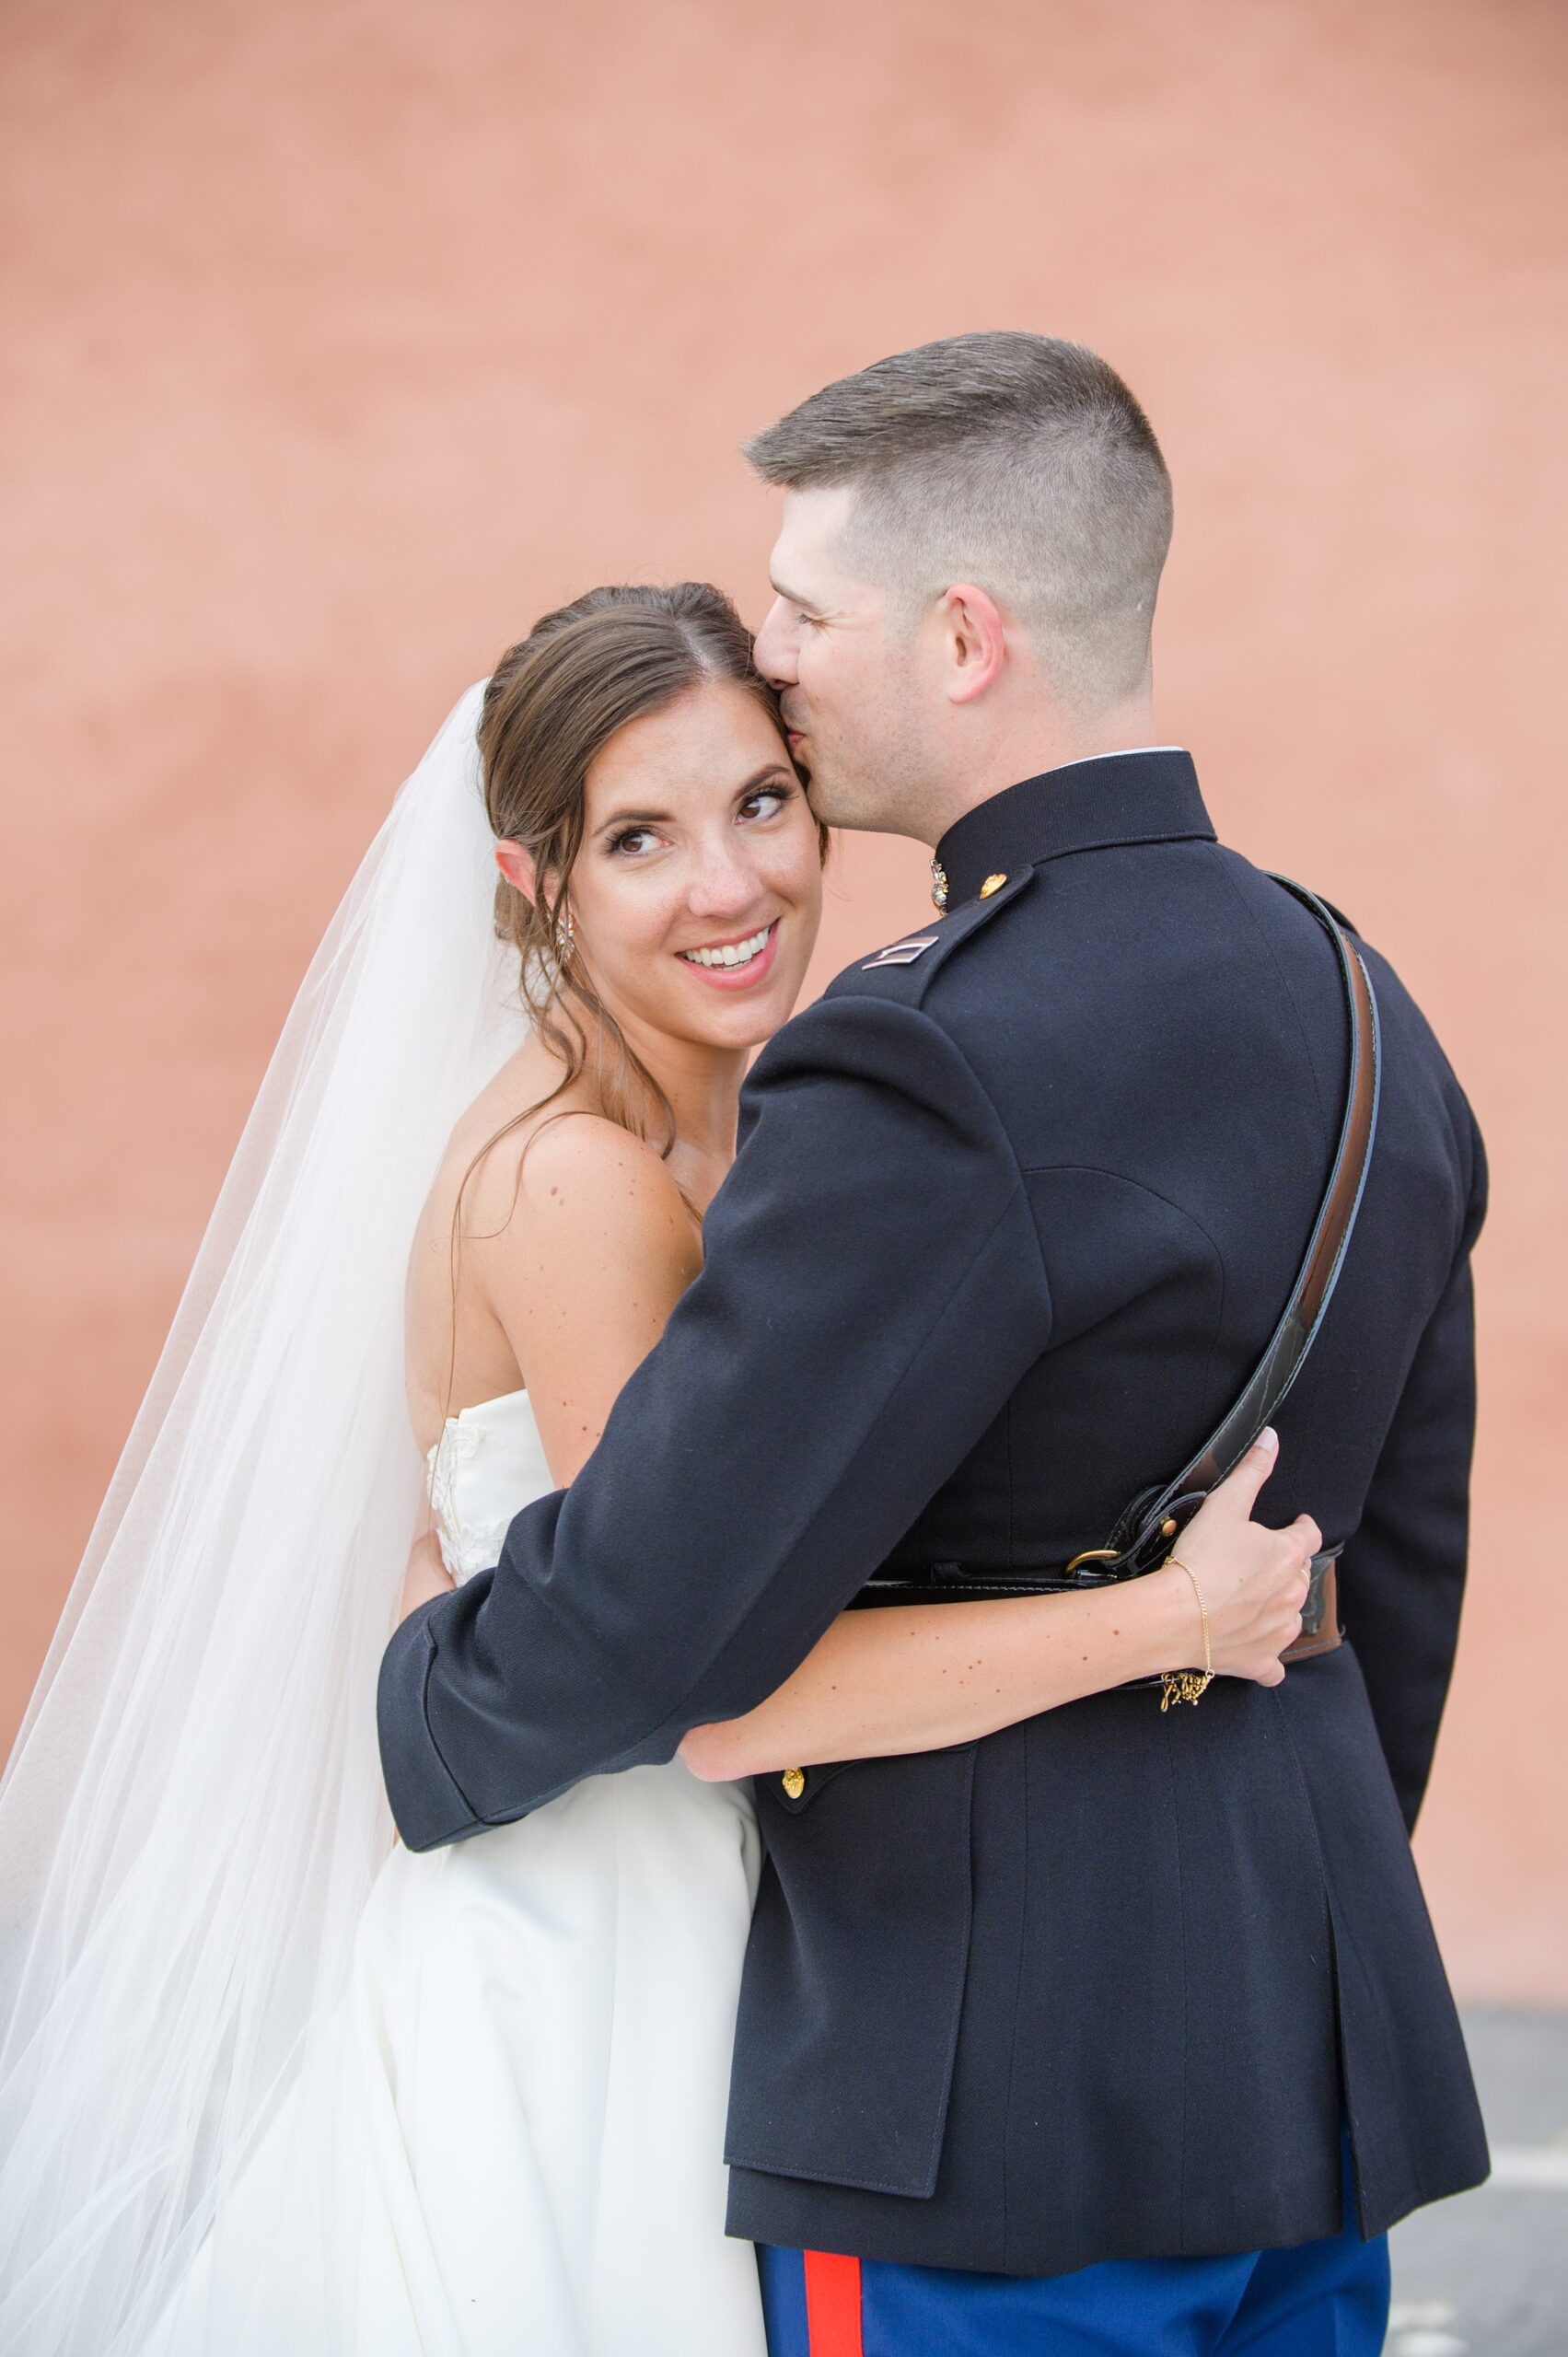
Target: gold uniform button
{"points": [[794, 1782], [991, 883]]}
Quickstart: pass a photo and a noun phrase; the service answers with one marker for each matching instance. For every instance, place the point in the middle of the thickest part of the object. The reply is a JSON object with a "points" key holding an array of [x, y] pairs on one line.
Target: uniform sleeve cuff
{"points": [[428, 1807]]}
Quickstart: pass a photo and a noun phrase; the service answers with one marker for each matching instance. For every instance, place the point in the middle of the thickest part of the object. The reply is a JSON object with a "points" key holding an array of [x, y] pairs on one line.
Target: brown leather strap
{"points": [[1142, 1537]]}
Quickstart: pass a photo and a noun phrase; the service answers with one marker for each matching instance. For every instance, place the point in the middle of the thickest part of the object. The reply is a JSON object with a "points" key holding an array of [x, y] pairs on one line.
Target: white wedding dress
{"points": [[508, 2142]]}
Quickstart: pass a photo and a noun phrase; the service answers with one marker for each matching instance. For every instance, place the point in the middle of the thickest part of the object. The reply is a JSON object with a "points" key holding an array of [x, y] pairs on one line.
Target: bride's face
{"points": [[698, 889]]}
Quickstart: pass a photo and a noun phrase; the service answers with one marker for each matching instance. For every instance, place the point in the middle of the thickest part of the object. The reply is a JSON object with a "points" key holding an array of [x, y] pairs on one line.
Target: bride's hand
{"points": [[1254, 1579], [427, 1575]]}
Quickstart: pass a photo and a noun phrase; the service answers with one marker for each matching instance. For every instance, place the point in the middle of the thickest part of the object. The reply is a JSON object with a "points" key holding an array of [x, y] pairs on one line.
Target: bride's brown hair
{"points": [[551, 706]]}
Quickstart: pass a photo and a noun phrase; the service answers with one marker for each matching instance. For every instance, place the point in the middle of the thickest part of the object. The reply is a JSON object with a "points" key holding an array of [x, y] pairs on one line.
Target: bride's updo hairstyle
{"points": [[552, 704]]}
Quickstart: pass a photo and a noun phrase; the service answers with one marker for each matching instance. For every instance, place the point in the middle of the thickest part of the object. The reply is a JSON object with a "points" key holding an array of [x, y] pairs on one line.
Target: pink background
{"points": [[345, 338]]}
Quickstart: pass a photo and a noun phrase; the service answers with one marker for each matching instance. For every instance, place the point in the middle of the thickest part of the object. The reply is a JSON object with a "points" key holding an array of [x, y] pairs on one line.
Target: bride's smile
{"points": [[736, 965]]}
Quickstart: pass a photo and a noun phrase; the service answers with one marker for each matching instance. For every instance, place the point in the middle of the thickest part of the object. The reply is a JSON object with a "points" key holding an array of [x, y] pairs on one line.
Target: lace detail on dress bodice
{"points": [[488, 1463]]}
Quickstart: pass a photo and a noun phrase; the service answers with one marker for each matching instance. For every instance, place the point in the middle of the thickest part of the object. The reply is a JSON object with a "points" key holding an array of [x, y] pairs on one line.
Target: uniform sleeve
{"points": [[1405, 1570], [872, 1293]]}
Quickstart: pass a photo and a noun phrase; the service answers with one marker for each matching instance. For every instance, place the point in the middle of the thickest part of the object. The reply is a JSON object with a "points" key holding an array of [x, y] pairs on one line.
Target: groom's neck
{"points": [[1037, 739]]}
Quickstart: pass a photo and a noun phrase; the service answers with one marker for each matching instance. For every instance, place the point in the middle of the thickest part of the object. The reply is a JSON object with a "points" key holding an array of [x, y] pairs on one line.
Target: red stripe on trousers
{"points": [[832, 2305]]}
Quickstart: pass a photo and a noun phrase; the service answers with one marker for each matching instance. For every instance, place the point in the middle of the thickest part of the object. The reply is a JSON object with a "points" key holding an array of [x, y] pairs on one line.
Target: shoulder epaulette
{"points": [[905, 968]]}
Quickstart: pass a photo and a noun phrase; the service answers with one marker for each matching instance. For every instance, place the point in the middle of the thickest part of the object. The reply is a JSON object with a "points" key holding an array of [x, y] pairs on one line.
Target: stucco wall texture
{"points": [[345, 339]]}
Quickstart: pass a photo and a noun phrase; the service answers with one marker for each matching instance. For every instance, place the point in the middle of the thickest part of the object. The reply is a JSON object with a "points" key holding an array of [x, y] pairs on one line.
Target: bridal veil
{"points": [[192, 1816]]}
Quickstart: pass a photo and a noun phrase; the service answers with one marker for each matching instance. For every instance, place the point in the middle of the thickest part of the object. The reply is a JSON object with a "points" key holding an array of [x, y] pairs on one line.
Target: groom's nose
{"points": [[774, 654]]}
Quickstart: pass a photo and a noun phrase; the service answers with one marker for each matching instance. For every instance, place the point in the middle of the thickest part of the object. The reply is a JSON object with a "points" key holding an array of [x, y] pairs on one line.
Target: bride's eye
{"points": [[766, 803], [631, 841]]}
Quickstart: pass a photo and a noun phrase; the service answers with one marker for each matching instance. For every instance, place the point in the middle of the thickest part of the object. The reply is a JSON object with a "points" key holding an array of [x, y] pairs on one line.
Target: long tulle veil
{"points": [[192, 1816]]}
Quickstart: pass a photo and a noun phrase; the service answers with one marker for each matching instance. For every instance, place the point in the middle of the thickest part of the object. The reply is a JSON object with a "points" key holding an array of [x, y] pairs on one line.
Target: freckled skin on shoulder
{"points": [[581, 1268]]}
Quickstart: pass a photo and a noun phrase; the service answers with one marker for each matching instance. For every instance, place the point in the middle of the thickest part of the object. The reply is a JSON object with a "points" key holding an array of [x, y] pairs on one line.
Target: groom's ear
{"points": [[517, 864], [975, 640]]}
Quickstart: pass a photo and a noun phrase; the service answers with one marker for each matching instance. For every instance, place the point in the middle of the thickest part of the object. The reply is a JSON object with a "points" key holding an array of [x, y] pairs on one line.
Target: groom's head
{"points": [[971, 544]]}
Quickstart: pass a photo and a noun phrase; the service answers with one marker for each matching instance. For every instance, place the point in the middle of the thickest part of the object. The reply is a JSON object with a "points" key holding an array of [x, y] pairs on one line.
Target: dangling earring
{"points": [[565, 936]]}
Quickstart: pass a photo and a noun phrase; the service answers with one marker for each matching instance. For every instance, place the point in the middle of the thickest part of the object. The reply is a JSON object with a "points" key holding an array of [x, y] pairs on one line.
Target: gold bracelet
{"points": [[1187, 1685]]}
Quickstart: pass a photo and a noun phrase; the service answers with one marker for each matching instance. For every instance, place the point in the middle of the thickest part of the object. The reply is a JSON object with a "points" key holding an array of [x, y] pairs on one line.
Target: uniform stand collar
{"points": [[1097, 805]]}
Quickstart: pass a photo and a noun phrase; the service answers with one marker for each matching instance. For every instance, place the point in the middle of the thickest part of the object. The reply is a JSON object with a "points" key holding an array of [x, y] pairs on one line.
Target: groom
{"points": [[1120, 2028]]}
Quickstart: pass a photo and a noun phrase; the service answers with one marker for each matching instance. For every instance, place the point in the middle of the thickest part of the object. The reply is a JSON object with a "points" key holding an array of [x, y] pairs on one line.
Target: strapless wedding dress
{"points": [[509, 2143]]}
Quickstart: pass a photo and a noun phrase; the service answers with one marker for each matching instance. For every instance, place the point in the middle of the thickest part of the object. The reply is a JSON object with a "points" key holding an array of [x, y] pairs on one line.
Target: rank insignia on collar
{"points": [[902, 953]]}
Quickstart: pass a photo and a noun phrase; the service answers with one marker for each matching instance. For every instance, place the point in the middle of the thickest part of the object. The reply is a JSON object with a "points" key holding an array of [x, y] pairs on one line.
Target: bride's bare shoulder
{"points": [[583, 1269], [534, 1160], [573, 1244], [581, 1175]]}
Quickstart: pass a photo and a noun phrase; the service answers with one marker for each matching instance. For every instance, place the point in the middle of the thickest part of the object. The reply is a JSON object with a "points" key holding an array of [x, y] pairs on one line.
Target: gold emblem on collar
{"points": [[991, 883]]}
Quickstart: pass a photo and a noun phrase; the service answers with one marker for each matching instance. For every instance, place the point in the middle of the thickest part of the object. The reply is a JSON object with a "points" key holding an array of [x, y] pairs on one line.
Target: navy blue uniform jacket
{"points": [[1009, 1226]]}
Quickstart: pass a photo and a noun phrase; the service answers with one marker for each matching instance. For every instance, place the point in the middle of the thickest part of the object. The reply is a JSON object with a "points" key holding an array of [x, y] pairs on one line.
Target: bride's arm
{"points": [[916, 1678]]}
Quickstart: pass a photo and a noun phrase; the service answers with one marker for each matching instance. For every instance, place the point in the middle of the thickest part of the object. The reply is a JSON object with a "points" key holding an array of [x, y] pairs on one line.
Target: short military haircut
{"points": [[1018, 462]]}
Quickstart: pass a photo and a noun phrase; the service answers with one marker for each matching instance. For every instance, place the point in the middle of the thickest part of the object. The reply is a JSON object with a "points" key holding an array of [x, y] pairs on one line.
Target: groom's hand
{"points": [[426, 1577]]}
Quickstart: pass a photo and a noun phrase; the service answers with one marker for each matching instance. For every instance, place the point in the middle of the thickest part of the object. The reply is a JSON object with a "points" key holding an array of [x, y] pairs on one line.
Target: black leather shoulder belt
{"points": [[1142, 1535]]}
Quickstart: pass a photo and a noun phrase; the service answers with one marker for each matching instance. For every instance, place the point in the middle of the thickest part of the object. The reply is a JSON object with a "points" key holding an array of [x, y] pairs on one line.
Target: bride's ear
{"points": [[517, 864]]}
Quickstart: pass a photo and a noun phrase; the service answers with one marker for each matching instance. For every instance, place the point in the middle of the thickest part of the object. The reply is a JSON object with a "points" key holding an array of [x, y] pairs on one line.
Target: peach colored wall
{"points": [[345, 338]]}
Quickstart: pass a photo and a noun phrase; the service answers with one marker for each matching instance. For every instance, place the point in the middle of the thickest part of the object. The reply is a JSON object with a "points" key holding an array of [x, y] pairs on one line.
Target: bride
{"points": [[268, 2083]]}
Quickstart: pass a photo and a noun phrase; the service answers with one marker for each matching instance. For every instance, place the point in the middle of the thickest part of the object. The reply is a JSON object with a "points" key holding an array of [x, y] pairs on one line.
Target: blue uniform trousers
{"points": [[1320, 2299]]}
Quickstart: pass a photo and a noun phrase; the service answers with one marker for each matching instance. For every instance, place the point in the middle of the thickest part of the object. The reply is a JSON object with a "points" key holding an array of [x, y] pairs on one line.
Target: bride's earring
{"points": [[565, 936]]}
